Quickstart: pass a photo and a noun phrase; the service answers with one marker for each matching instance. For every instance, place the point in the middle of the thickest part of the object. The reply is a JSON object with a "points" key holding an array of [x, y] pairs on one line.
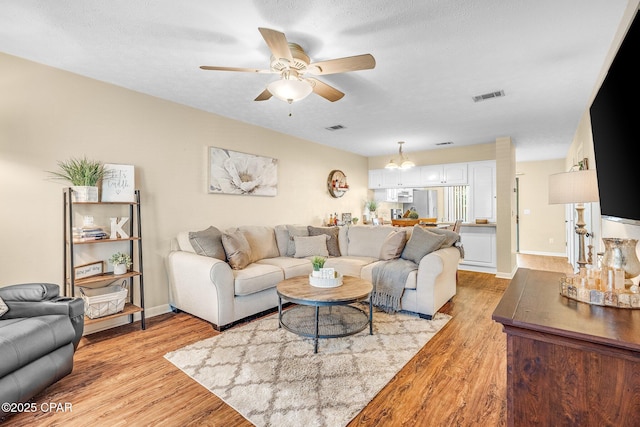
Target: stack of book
{"points": [[83, 234]]}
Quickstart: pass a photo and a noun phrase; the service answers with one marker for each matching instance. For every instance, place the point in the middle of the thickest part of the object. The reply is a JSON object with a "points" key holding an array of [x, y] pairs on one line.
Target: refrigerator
{"points": [[425, 203]]}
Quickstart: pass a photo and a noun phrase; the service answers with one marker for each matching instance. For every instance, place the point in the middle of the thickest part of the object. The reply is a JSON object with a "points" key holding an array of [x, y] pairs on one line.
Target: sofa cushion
{"points": [[292, 267], [24, 340], [208, 243], [393, 245], [295, 230], [282, 238], [311, 246], [332, 244], [366, 241], [262, 241], [256, 277], [451, 236], [421, 243], [237, 249]]}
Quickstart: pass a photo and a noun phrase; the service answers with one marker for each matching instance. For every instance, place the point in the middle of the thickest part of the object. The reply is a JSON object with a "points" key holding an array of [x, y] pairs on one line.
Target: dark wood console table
{"points": [[568, 363]]}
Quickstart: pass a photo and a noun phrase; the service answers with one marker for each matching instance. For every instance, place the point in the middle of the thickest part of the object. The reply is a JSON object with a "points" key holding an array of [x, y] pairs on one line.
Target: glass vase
{"points": [[620, 254]]}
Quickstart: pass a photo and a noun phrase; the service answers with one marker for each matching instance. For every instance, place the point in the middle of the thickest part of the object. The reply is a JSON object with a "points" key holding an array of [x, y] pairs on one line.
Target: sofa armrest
{"points": [[41, 299], [202, 286], [436, 280]]}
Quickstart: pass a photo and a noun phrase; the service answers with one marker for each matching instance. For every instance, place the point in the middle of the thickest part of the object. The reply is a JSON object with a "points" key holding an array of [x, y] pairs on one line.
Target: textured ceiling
{"points": [[432, 57]]}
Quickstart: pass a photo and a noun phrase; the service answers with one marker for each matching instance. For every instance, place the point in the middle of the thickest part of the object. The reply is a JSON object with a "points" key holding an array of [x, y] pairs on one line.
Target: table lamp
{"points": [[580, 186]]}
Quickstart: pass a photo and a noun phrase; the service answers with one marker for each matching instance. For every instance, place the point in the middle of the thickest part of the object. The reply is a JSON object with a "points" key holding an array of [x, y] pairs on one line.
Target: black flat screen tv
{"points": [[615, 125]]}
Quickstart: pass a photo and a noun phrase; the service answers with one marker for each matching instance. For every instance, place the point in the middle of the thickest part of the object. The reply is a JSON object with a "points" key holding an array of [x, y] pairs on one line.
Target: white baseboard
{"points": [[476, 268], [149, 312], [558, 254]]}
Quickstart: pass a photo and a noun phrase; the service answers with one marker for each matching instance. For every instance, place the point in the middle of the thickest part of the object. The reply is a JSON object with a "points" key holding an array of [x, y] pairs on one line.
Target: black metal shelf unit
{"points": [[133, 277]]}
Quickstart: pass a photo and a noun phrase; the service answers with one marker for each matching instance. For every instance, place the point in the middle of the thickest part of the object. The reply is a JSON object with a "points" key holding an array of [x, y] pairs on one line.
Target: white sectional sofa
{"points": [[226, 277]]}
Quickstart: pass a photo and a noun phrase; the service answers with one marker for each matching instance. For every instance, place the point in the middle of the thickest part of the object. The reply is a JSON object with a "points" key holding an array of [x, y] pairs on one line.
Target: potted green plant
{"points": [[318, 263], [372, 207], [354, 220], [84, 175], [121, 262]]}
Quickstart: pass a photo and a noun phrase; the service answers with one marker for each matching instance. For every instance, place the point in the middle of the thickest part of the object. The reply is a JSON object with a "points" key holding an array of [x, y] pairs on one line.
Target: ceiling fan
{"points": [[293, 64]]}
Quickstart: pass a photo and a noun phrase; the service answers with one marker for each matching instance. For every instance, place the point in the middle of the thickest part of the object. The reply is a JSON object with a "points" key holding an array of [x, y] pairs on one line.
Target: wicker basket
{"points": [[100, 302]]}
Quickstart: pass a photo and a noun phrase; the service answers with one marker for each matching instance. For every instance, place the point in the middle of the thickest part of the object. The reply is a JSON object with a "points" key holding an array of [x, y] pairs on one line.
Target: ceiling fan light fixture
{"points": [[290, 90]]}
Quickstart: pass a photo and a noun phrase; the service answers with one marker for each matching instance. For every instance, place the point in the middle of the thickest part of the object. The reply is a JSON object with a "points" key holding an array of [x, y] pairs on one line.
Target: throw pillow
{"points": [[237, 249], [332, 244], [208, 243], [451, 237], [421, 243], [295, 230], [393, 245], [3, 307], [311, 246]]}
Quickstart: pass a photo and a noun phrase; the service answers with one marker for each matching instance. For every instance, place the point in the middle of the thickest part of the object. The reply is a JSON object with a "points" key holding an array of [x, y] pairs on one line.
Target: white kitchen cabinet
{"points": [[482, 194], [375, 178], [479, 244], [409, 178], [447, 174], [390, 178], [394, 178]]}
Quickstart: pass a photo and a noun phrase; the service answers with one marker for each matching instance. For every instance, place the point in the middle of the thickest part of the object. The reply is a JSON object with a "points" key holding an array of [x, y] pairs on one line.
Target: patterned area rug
{"points": [[273, 378]]}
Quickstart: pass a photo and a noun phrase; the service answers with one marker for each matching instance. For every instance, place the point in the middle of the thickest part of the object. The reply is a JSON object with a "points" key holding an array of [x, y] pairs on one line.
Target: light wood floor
{"points": [[121, 378]]}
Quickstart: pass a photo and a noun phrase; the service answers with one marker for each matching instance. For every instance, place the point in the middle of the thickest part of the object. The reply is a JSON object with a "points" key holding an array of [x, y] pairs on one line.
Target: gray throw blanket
{"points": [[389, 278]]}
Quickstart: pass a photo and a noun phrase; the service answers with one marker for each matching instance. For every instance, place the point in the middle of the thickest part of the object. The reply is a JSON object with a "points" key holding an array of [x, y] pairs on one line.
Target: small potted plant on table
{"points": [[318, 263], [121, 262]]}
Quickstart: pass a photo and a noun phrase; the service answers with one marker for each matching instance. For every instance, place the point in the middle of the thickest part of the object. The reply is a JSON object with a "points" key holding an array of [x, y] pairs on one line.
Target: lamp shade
{"points": [[407, 164], [391, 165], [290, 90], [573, 187]]}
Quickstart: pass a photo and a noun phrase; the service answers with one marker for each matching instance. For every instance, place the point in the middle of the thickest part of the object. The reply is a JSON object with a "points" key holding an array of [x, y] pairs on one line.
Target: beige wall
{"points": [[48, 115], [542, 226]]}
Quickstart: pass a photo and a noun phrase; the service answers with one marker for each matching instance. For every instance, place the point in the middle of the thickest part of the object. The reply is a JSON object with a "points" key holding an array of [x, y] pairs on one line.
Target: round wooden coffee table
{"points": [[324, 312]]}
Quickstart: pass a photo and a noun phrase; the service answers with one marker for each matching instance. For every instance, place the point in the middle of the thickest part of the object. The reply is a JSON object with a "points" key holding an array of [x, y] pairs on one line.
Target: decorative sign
{"points": [[88, 270], [116, 227], [118, 185], [327, 273]]}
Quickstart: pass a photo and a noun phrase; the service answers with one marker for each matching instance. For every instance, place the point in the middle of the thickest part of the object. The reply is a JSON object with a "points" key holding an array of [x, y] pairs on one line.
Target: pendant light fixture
{"points": [[404, 161]]}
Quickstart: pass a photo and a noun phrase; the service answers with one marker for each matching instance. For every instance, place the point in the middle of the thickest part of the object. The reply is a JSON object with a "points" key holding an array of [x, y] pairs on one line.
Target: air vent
{"points": [[335, 127], [489, 95], [445, 143]]}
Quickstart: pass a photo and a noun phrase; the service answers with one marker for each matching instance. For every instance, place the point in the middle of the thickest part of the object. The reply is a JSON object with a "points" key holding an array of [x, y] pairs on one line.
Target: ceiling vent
{"points": [[335, 127], [489, 95], [444, 143]]}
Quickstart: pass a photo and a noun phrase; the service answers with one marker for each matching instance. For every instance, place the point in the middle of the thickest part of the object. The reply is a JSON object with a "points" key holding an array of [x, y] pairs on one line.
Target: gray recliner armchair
{"points": [[38, 338]]}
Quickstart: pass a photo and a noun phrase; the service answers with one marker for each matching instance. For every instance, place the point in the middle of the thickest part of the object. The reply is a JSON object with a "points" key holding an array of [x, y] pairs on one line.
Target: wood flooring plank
{"points": [[120, 376]]}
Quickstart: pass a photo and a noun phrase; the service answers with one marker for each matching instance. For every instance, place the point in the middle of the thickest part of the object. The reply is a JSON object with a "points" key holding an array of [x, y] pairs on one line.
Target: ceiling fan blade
{"points": [[342, 65], [324, 90], [263, 96], [278, 44], [246, 70]]}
